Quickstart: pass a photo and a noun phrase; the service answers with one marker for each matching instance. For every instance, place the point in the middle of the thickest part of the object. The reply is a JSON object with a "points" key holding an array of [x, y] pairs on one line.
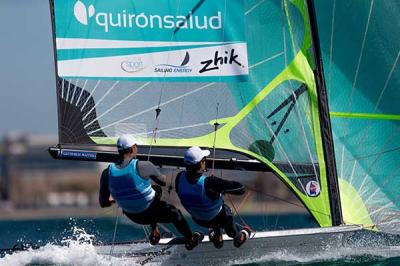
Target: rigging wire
{"points": [[115, 230], [283, 200], [244, 224], [155, 128], [217, 96], [157, 118], [158, 109], [146, 231], [216, 124], [248, 194], [373, 226], [345, 124]]}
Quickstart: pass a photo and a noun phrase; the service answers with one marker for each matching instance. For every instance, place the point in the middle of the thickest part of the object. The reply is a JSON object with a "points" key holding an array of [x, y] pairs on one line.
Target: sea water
{"points": [[71, 242]]}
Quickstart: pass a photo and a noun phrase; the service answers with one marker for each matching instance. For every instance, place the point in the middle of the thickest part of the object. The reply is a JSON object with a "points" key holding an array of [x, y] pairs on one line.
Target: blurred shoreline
{"points": [[34, 186], [81, 212]]}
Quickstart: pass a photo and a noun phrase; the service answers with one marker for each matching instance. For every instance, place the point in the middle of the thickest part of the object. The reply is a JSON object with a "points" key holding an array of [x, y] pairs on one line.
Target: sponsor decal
{"points": [[125, 19], [220, 59], [117, 39], [82, 14], [77, 154], [169, 68], [313, 189], [132, 65]]}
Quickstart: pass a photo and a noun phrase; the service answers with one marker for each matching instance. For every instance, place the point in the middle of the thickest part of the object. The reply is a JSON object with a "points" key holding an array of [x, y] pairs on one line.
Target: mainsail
{"points": [[361, 55], [237, 76]]}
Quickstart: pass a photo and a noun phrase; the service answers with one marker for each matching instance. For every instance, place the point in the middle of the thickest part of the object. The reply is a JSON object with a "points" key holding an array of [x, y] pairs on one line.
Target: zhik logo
{"points": [[82, 14]]}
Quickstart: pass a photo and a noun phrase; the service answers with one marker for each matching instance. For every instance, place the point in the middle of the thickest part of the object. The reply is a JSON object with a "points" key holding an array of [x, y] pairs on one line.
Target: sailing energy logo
{"points": [[168, 68], [127, 20]]}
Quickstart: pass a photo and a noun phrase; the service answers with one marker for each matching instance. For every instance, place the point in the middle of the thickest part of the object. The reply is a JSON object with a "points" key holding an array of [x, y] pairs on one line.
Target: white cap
{"points": [[194, 155], [125, 142]]}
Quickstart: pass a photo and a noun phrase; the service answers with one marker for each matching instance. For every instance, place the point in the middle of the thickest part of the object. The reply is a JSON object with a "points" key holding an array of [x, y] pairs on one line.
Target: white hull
{"points": [[297, 241]]}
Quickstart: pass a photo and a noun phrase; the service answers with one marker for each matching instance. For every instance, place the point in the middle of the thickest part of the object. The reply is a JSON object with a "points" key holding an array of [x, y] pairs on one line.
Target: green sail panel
{"points": [[361, 62], [246, 66]]}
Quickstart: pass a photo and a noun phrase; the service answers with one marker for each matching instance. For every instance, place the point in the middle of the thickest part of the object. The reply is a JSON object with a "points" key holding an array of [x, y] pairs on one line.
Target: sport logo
{"points": [[313, 189], [168, 68], [133, 65], [82, 14]]}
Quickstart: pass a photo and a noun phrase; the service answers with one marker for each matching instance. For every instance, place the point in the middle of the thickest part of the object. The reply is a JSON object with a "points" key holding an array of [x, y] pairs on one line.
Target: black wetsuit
{"points": [[158, 212], [214, 187]]}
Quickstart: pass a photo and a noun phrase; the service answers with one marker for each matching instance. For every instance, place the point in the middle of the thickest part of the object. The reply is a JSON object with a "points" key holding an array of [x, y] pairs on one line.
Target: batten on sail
{"points": [[362, 83], [237, 76]]}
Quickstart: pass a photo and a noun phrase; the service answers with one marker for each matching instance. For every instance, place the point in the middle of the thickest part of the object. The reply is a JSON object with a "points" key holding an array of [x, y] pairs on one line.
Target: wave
{"points": [[79, 249]]}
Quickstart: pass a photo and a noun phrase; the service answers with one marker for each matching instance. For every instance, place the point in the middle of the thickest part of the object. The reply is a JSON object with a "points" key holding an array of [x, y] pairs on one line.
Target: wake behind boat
{"points": [[298, 242], [345, 243]]}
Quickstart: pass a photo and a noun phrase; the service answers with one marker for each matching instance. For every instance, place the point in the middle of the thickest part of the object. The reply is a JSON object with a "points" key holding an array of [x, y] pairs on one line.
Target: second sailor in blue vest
{"points": [[128, 182], [201, 196]]}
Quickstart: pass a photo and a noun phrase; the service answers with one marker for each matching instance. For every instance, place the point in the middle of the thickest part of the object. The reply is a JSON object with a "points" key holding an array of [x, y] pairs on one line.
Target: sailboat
{"points": [[244, 78]]}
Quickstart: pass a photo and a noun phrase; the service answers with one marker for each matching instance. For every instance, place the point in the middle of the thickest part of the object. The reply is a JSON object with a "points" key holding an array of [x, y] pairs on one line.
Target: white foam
{"points": [[329, 254], [77, 250]]}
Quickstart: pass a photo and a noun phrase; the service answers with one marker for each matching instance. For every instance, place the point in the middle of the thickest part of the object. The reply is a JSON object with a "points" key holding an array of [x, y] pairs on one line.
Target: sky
{"points": [[27, 77]]}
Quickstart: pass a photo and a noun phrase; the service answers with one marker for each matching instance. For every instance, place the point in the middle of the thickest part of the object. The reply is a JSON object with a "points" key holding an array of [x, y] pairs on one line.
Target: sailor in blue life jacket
{"points": [[201, 196], [128, 182]]}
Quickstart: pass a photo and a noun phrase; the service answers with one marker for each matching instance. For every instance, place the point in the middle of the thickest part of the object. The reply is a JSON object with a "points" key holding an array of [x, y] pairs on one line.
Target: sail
{"points": [[361, 55], [236, 76]]}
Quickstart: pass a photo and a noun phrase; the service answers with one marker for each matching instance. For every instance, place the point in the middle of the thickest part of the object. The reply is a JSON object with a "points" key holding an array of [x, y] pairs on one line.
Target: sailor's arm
{"points": [[147, 169], [177, 181], [104, 192], [219, 185]]}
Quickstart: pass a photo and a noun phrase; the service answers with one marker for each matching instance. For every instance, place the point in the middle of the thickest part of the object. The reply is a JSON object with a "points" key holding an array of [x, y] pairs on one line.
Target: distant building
{"points": [[3, 186], [32, 178]]}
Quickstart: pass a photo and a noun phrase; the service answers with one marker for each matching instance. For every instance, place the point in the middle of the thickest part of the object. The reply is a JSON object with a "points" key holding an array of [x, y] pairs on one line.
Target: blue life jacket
{"points": [[133, 193], [195, 200]]}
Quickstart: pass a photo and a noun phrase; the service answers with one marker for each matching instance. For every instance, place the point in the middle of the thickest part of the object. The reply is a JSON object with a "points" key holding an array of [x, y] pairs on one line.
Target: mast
{"points": [[57, 78], [326, 130]]}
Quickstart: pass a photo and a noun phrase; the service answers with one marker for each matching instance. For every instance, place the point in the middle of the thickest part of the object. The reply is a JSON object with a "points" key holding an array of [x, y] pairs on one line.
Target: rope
{"points": [[244, 199], [158, 110], [238, 214], [373, 226], [155, 128], [281, 199], [146, 232], [216, 124], [115, 230]]}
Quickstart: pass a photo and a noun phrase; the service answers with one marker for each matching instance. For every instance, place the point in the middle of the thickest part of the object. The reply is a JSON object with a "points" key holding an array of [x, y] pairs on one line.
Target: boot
{"points": [[244, 234], [155, 236], [216, 238], [196, 239]]}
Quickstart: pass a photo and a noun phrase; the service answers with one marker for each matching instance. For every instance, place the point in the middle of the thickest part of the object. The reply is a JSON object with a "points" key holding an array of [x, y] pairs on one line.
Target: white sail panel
{"points": [[229, 60]]}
